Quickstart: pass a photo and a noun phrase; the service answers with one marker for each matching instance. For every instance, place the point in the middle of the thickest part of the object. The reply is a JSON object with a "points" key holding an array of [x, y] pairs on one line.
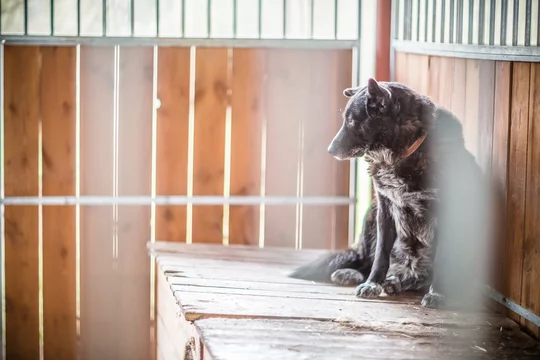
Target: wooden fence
{"points": [[498, 104], [84, 122]]}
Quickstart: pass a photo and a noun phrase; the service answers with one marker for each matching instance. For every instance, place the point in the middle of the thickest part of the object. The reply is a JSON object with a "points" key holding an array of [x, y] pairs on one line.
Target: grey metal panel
{"points": [[484, 52]]}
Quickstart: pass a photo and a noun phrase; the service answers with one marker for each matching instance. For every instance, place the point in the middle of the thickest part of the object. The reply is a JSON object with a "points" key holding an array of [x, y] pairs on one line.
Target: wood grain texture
{"points": [[248, 107], [531, 243], [486, 106], [21, 127], [58, 105], [470, 120], [99, 279], [286, 100], [172, 139], [517, 173], [446, 82], [329, 75], [134, 178], [256, 296], [211, 100], [402, 68], [433, 81]]}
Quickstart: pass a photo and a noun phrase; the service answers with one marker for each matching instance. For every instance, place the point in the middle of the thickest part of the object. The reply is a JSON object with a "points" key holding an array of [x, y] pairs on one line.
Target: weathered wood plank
{"points": [[172, 139], [98, 276], [517, 173], [433, 82], [531, 243], [329, 75], [58, 117], [135, 106], [21, 131], [402, 69], [486, 79], [248, 107], [470, 119], [211, 100], [286, 100], [446, 82]]}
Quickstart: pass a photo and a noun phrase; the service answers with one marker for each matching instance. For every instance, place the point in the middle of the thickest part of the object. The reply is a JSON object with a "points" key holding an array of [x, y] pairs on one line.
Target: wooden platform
{"points": [[235, 302]]}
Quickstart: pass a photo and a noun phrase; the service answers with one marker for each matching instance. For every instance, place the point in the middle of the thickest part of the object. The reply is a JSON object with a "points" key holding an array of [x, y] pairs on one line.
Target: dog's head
{"points": [[379, 115]]}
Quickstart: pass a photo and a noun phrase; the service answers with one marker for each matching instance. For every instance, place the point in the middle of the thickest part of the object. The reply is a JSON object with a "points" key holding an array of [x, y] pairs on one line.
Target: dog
{"points": [[427, 226]]}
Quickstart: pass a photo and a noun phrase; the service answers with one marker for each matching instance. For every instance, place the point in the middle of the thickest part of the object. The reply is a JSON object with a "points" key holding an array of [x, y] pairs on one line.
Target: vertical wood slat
{"points": [[329, 75], [134, 178], [433, 81], [98, 275], [517, 168], [172, 140], [446, 78], [21, 91], [286, 100], [486, 104], [59, 248], [211, 101], [248, 84], [531, 242], [470, 120]]}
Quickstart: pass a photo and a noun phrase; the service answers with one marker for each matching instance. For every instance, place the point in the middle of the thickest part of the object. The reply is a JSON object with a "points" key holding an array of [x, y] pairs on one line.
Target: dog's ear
{"points": [[349, 93], [378, 96]]}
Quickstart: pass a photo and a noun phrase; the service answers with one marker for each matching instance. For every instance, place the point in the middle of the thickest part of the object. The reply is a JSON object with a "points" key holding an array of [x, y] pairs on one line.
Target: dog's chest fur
{"points": [[404, 187]]}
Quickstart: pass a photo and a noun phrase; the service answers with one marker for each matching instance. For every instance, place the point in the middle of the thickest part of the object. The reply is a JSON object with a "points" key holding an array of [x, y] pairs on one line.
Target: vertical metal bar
{"points": [[335, 18], [452, 18], [52, 17], [284, 19], [209, 18], [235, 15], [406, 19], [434, 25], [311, 19], [528, 22], [418, 20], [443, 19], [183, 18], [504, 19], [157, 18], [481, 21], [515, 24], [132, 17], [104, 18], [459, 29], [259, 15], [78, 17], [425, 20], [25, 17], [491, 22], [538, 28], [471, 20]]}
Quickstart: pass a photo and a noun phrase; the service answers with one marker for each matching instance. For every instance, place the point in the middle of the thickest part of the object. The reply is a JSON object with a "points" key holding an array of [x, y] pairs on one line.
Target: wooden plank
{"points": [[211, 100], [433, 82], [98, 277], [172, 139], [486, 79], [21, 126], [286, 100], [330, 74], [531, 242], [134, 178], [58, 106], [248, 107], [499, 166], [460, 82], [401, 68], [446, 82], [517, 173], [470, 120]]}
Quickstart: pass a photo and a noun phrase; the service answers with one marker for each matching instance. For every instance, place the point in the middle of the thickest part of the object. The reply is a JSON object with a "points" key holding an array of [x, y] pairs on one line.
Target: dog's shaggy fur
{"points": [[428, 220]]}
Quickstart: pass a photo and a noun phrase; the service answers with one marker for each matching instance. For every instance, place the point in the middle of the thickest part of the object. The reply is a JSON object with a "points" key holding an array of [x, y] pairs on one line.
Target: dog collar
{"points": [[414, 146]]}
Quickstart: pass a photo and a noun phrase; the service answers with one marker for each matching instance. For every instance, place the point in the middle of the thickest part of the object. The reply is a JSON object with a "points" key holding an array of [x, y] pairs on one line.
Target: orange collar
{"points": [[414, 146]]}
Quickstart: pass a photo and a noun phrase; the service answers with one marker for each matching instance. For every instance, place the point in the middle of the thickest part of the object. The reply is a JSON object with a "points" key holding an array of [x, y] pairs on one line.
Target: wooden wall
{"points": [[228, 122], [498, 104]]}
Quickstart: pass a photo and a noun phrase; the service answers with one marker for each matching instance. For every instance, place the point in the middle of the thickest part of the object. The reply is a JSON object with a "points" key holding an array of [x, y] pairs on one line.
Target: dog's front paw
{"points": [[368, 290], [433, 300], [392, 286], [347, 277]]}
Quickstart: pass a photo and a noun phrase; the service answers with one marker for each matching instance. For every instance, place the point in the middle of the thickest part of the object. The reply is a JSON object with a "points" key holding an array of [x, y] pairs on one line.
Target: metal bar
{"points": [[201, 42], [311, 19], [104, 18], [492, 22], [259, 15], [528, 10], [443, 19], [209, 18], [157, 18], [176, 200], [426, 20], [515, 24], [235, 18], [418, 20], [132, 17], [52, 17], [504, 19], [481, 52], [284, 19], [503, 300], [452, 15], [78, 17], [25, 17], [459, 29], [433, 24], [471, 20], [481, 21], [335, 18], [183, 26]]}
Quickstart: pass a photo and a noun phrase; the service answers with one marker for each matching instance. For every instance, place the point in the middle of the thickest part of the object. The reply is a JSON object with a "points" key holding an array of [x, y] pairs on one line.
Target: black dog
{"points": [[428, 222]]}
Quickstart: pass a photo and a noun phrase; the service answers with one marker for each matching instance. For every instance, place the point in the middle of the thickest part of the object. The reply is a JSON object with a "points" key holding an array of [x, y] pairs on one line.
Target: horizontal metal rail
{"points": [[322, 44], [481, 52], [503, 300], [176, 200]]}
